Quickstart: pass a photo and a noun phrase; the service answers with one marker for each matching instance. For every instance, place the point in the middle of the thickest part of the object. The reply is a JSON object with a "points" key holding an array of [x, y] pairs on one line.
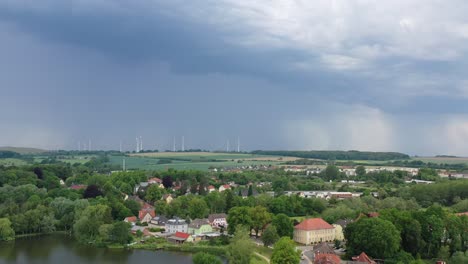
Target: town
{"points": [[284, 214]]}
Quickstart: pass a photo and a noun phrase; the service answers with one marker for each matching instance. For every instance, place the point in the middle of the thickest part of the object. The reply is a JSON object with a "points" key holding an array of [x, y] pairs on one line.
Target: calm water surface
{"points": [[61, 249]]}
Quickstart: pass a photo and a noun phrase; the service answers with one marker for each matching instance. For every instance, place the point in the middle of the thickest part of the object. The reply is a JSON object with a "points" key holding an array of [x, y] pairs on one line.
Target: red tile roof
{"points": [[182, 235], [131, 219], [147, 206], [143, 212], [373, 214], [364, 258], [78, 186], [155, 179], [313, 224], [226, 186], [326, 259], [211, 187]]}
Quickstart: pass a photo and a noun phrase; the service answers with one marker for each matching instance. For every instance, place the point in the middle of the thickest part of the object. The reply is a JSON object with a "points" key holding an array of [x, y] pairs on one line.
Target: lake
{"points": [[59, 249]]}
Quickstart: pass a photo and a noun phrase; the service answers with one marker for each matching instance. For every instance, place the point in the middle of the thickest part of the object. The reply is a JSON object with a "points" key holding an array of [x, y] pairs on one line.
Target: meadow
{"points": [[443, 160], [193, 160]]}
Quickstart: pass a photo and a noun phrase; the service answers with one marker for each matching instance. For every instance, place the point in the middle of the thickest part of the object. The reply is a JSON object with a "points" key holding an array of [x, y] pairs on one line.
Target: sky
{"points": [[294, 75]]}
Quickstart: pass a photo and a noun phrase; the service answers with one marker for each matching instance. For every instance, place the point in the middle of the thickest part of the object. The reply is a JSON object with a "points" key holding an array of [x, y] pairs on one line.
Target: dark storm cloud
{"points": [[278, 74]]}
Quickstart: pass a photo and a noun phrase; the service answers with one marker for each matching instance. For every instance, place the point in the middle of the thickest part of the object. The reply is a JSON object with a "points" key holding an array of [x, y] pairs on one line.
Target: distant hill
{"points": [[336, 154], [23, 150], [445, 156]]}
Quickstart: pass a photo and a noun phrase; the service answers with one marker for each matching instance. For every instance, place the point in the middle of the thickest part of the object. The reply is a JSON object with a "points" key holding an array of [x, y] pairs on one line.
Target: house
{"points": [[224, 187], [218, 220], [180, 237], [199, 226], [157, 181], [141, 187], [145, 215], [363, 258], [167, 198], [339, 235], [462, 214], [159, 221], [176, 225], [211, 188], [131, 219], [78, 186], [314, 230], [143, 229], [323, 247], [324, 258]]}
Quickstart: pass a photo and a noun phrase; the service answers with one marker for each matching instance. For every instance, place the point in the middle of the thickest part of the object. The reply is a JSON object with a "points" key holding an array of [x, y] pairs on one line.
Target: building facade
{"points": [[312, 231]]}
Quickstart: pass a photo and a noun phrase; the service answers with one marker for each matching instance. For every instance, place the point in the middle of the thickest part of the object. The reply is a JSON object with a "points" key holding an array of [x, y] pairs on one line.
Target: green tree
{"points": [[239, 216], [120, 233], [153, 193], [331, 173], [459, 258], [205, 258], [250, 191], [260, 218], [284, 252], [86, 228], [270, 236], [375, 236], [241, 247], [197, 208], [283, 225], [6, 232], [360, 171]]}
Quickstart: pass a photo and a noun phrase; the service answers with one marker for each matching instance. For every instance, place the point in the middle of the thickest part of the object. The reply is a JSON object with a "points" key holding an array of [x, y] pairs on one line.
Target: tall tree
{"points": [[375, 236], [260, 218], [283, 225], [270, 236], [153, 193], [284, 252], [6, 232], [197, 208], [92, 191], [86, 228], [241, 247], [167, 181], [239, 216]]}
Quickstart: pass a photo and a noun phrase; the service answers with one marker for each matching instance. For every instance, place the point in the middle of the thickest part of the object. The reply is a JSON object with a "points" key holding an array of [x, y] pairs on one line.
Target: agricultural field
{"points": [[193, 160], [67, 158], [443, 160], [12, 162]]}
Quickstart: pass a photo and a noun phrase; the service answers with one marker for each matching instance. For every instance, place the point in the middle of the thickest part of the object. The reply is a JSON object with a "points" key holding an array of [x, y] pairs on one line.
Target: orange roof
{"points": [[143, 212], [313, 224], [182, 235], [326, 259], [462, 214], [364, 258], [131, 219]]}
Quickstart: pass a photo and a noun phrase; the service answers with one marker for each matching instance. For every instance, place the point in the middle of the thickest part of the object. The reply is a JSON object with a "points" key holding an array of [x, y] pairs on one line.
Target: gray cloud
{"points": [[346, 75]]}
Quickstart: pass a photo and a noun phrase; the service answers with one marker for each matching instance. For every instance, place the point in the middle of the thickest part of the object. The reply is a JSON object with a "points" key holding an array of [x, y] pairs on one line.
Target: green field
{"points": [[192, 160], [12, 162], [67, 159], [443, 160]]}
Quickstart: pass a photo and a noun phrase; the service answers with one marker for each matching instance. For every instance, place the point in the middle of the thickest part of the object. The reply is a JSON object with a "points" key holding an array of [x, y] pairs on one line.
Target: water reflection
{"points": [[58, 249]]}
